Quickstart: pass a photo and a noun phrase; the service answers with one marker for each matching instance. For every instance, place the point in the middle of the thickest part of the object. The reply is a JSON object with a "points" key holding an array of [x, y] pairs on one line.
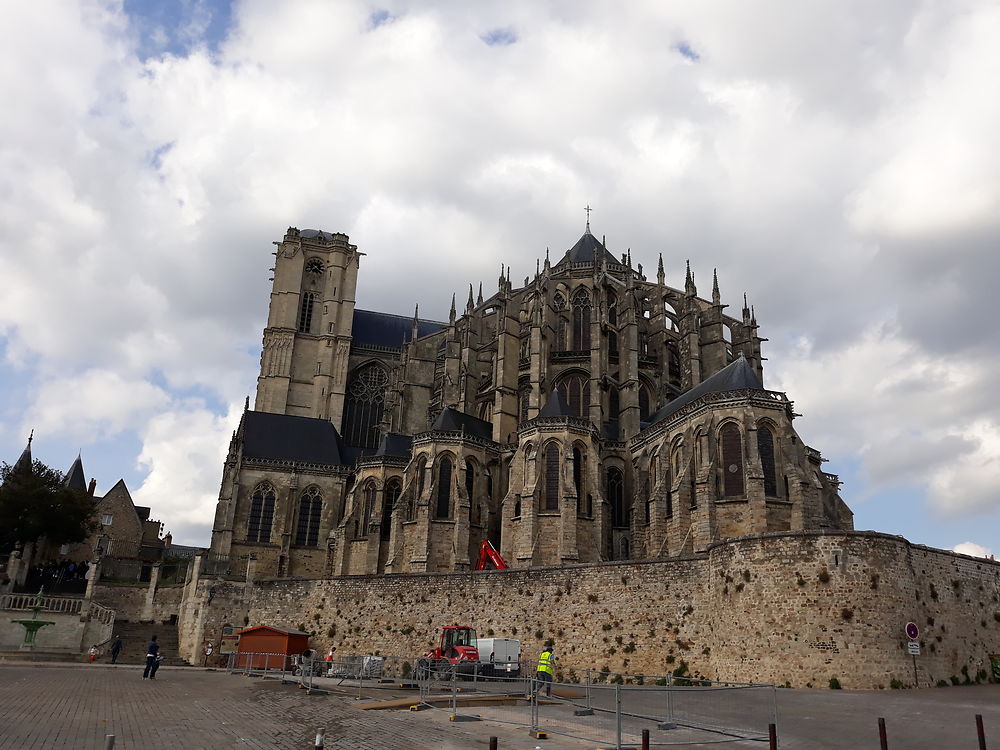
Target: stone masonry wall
{"points": [[800, 608], [129, 601]]}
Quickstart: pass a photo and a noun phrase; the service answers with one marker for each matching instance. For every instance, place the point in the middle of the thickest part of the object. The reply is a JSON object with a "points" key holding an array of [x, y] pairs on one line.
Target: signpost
{"points": [[913, 647]]}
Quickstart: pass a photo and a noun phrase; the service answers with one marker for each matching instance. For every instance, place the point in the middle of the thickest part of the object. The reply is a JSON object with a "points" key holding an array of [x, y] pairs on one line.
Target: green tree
{"points": [[37, 503]]}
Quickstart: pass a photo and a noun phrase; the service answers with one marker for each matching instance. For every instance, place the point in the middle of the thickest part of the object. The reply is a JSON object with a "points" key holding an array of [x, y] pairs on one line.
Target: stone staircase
{"points": [[135, 636]]}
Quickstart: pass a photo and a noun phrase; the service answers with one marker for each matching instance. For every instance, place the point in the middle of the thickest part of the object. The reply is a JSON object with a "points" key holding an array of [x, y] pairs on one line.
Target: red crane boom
{"points": [[488, 553]]}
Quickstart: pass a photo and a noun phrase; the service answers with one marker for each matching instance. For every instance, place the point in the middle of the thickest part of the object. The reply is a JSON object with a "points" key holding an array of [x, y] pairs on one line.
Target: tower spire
{"points": [[716, 297], [689, 287], [24, 462], [471, 303], [479, 299], [660, 276], [416, 311], [451, 315]]}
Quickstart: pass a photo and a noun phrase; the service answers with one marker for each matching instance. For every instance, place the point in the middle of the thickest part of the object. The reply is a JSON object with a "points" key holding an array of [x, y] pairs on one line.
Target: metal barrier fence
{"points": [[674, 710]]}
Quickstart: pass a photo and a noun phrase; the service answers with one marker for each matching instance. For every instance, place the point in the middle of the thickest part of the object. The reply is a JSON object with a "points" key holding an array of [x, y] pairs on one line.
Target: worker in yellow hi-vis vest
{"points": [[545, 670]]}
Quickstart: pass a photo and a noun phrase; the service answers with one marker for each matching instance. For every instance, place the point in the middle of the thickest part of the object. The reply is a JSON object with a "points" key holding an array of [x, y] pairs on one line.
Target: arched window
{"points": [[550, 488], [576, 390], [470, 483], [562, 327], [310, 508], [581, 320], [369, 507], [578, 464], [261, 513], [363, 406], [523, 399], [558, 302], [443, 507], [306, 311], [616, 497], [393, 488], [765, 448], [732, 460], [643, 403]]}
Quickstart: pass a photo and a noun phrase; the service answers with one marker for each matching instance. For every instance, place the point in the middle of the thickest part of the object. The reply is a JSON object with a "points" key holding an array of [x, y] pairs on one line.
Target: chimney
{"points": [[91, 487]]}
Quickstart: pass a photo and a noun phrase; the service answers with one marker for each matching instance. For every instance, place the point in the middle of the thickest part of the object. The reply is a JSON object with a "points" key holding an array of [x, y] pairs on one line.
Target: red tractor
{"points": [[457, 655]]}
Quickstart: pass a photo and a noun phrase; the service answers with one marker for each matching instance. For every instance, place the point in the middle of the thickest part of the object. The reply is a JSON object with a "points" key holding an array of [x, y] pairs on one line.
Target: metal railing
{"points": [[615, 710]]}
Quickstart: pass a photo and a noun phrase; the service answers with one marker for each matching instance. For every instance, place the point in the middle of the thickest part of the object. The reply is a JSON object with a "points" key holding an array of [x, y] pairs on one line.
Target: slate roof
{"points": [[386, 329], [733, 377], [395, 445], [556, 406], [313, 233], [143, 512], [288, 438], [75, 478], [453, 420], [588, 249], [24, 461]]}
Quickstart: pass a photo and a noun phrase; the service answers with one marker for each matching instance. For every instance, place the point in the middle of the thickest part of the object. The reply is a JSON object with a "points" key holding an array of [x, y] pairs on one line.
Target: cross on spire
{"points": [[588, 209]]}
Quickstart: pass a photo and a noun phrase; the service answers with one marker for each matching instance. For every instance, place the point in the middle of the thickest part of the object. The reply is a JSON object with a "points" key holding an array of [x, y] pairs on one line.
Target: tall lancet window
{"points": [[443, 507], [261, 513], [551, 486], [732, 460], [581, 320], [310, 508], [575, 388], [306, 311], [363, 406], [765, 449]]}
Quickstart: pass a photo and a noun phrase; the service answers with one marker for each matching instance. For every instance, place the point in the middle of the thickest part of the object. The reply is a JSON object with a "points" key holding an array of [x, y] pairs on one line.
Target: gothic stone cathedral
{"points": [[589, 415]]}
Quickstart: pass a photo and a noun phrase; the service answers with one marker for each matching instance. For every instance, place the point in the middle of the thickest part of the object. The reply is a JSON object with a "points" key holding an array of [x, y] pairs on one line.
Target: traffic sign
{"points": [[913, 648], [912, 631]]}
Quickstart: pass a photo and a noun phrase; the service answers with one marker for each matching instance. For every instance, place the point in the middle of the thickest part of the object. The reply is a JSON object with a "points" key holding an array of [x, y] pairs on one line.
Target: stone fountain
{"points": [[32, 626]]}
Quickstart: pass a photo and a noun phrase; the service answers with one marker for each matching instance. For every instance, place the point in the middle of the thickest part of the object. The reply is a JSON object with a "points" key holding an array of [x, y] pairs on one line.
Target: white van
{"points": [[499, 657]]}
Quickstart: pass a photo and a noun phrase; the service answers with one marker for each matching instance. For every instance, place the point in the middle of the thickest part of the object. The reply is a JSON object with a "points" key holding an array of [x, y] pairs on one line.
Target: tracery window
{"points": [[581, 320], [363, 406], [310, 509], [616, 497], [306, 311], [550, 488], [558, 302], [575, 389], [443, 507], [732, 460], [393, 488], [765, 449], [368, 508], [261, 513]]}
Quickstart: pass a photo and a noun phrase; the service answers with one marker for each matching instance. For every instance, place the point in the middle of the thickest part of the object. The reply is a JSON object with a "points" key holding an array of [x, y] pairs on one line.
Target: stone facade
{"points": [[591, 414]]}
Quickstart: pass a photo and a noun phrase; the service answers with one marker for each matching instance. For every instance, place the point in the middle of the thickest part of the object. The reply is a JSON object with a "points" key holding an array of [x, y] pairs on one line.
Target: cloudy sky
{"points": [[836, 161]]}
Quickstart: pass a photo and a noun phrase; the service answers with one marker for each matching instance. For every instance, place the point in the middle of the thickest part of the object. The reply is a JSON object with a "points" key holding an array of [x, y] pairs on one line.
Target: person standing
{"points": [[116, 648], [152, 651], [545, 671]]}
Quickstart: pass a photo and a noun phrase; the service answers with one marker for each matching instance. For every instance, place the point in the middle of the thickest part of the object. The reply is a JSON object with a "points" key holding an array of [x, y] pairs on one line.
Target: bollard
{"points": [[645, 739], [772, 737], [493, 743], [883, 741], [980, 732], [320, 738], [109, 742]]}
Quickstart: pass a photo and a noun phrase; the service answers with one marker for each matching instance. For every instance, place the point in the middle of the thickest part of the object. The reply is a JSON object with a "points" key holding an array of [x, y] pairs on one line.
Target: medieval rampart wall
{"points": [[787, 607]]}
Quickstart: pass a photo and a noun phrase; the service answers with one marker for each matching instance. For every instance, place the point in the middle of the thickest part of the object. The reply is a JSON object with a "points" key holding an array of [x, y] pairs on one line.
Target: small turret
{"points": [[451, 314], [661, 277], [479, 299], [470, 305], [689, 288], [416, 312], [716, 297]]}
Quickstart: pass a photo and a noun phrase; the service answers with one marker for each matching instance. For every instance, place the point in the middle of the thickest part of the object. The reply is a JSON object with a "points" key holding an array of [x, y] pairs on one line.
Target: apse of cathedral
{"points": [[591, 414]]}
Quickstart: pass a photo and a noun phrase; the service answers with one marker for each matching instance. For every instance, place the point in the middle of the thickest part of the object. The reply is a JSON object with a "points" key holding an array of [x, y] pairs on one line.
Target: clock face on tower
{"points": [[314, 266]]}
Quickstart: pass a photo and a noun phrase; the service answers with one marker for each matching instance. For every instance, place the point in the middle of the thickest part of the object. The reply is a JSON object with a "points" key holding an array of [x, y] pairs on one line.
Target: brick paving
{"points": [[75, 706]]}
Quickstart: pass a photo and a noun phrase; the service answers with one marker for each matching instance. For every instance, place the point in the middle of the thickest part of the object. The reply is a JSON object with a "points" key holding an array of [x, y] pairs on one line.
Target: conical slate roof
{"points": [[735, 376], [588, 249], [75, 478], [453, 420], [24, 462], [556, 406]]}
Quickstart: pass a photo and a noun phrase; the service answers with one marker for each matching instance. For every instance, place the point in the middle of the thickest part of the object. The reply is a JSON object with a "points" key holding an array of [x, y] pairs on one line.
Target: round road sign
{"points": [[912, 631]]}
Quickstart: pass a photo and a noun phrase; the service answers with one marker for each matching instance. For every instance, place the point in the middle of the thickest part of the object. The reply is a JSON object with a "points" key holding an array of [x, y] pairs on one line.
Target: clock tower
{"points": [[303, 365]]}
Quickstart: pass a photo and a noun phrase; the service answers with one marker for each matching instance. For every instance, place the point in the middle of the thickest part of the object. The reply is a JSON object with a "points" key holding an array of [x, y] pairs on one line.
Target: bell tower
{"points": [[307, 342]]}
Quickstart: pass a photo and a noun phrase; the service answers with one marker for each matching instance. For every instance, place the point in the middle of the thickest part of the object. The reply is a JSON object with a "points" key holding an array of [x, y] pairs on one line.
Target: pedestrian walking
{"points": [[152, 651], [116, 649], [545, 670], [156, 665]]}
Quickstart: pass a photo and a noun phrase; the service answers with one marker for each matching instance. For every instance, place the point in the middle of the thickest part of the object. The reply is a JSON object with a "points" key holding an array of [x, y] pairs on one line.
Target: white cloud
{"points": [[836, 162], [972, 549]]}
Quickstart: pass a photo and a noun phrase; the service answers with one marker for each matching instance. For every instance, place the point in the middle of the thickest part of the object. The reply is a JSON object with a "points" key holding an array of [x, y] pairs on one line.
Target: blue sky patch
{"points": [[379, 18], [500, 37], [687, 51], [174, 27]]}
